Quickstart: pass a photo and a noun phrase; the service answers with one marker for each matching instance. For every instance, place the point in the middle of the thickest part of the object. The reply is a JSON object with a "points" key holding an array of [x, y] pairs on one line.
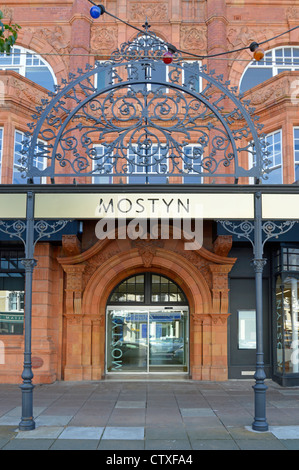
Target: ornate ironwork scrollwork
{"points": [[245, 229], [15, 228], [146, 118], [42, 229]]}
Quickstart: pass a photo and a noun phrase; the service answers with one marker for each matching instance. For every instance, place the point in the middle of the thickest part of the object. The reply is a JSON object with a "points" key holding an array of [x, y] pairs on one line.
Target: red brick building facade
{"points": [[75, 277]]}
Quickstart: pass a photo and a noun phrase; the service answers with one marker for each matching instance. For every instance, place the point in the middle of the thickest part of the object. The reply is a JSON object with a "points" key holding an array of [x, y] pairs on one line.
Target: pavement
{"points": [[150, 415]]}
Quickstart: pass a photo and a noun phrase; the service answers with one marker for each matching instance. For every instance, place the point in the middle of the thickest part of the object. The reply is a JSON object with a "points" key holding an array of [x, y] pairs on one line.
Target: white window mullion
{"points": [[39, 162], [274, 147]]}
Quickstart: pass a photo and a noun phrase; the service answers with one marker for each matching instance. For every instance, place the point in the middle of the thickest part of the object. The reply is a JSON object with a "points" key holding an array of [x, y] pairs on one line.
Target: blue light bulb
{"points": [[95, 12]]}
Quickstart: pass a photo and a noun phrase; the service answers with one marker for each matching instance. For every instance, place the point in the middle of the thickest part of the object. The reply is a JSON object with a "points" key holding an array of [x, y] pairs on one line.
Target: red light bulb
{"points": [[167, 57]]}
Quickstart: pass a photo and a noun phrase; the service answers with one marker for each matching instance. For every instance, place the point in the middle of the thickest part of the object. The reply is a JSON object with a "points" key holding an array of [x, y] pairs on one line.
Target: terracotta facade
{"points": [[73, 279]]}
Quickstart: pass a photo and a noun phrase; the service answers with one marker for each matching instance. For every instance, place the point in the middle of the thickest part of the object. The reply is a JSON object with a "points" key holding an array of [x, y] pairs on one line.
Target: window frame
{"points": [[43, 179], [252, 163], [147, 292], [200, 178], [273, 65], [109, 178], [22, 66], [11, 268]]}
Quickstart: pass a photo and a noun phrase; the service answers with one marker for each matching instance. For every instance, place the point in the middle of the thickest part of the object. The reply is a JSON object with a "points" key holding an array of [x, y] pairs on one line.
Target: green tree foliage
{"points": [[8, 35]]}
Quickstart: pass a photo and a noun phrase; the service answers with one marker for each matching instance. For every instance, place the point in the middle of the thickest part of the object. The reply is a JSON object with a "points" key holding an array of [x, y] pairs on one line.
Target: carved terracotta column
{"points": [[217, 37], [97, 348], [220, 287], [80, 35], [196, 347], [74, 323], [219, 369]]}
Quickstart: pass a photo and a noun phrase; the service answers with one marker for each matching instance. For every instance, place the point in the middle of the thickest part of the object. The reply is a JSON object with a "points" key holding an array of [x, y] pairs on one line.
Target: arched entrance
{"points": [[147, 326], [95, 280]]}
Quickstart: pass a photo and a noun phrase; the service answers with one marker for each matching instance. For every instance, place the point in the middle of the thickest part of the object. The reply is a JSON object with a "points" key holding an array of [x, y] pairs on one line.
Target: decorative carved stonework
{"points": [[24, 91], [74, 288], [194, 37], [151, 11], [220, 287], [103, 38], [56, 37], [73, 319], [197, 319], [74, 277], [92, 264], [238, 37], [292, 13], [200, 263], [147, 250], [219, 318], [269, 93], [222, 245], [7, 12], [71, 245], [242, 36]]}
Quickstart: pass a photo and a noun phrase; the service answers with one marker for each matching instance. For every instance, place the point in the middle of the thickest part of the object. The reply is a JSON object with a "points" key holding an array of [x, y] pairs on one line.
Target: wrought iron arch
{"points": [[145, 123]]}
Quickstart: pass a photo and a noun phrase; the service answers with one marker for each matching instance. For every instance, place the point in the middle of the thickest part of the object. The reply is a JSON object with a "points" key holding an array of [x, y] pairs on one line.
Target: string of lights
{"points": [[258, 53], [104, 57]]}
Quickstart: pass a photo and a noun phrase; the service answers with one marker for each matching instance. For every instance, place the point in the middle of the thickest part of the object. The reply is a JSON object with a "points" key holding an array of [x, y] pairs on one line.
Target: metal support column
{"points": [[260, 422], [27, 422]]}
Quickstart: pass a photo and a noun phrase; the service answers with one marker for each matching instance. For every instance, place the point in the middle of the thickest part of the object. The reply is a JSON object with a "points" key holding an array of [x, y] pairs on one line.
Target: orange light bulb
{"points": [[258, 54]]}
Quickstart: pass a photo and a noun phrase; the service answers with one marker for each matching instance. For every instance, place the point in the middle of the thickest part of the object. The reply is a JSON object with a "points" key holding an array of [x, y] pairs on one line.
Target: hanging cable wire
{"points": [[102, 10]]}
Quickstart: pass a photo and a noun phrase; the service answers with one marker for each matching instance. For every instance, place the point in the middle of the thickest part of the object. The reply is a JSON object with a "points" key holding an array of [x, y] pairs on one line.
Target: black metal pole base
{"points": [[260, 422], [27, 422]]}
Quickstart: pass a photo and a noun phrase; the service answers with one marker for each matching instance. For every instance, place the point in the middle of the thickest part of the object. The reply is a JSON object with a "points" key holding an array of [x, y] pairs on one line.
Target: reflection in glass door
{"points": [[127, 341], [149, 340], [167, 341]]}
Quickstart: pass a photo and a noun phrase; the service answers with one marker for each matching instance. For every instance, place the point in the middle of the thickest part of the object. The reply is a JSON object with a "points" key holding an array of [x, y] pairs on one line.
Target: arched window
{"points": [[29, 64], [274, 62], [147, 288]]}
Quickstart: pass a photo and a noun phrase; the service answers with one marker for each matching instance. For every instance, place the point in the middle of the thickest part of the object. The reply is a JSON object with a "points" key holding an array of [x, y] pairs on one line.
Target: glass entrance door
{"points": [[127, 341], [168, 341], [146, 340]]}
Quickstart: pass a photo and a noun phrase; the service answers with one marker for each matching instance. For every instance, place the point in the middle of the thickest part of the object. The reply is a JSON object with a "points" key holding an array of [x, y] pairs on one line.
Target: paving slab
{"points": [[291, 444], [196, 412], [54, 420], [167, 444], [10, 420], [285, 432], [164, 432], [127, 433], [130, 404], [212, 444], [75, 444], [29, 444], [262, 444], [82, 432], [121, 444], [42, 432]]}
